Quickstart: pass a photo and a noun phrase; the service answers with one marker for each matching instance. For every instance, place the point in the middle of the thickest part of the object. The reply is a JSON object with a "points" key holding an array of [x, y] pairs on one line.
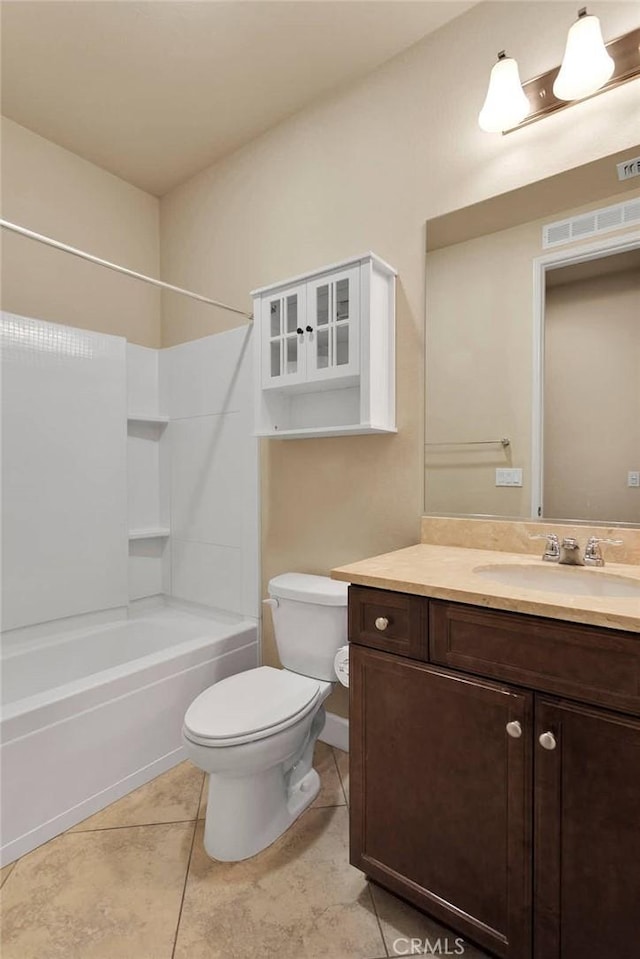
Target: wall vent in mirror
{"points": [[582, 227]]}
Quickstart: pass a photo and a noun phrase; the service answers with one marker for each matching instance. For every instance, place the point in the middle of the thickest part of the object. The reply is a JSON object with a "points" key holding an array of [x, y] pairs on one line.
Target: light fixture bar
{"points": [[624, 50]]}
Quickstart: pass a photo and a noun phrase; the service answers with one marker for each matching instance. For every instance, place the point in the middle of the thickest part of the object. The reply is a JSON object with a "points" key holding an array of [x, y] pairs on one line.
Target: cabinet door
{"points": [[333, 343], [587, 829], [441, 795], [283, 348]]}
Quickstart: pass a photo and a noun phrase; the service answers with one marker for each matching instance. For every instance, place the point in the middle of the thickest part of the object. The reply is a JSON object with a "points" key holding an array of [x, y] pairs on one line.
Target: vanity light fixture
{"points": [[586, 65], [589, 67], [506, 103]]}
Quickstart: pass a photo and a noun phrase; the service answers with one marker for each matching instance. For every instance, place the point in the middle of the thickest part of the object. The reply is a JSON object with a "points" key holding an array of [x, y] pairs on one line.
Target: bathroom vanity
{"points": [[495, 750]]}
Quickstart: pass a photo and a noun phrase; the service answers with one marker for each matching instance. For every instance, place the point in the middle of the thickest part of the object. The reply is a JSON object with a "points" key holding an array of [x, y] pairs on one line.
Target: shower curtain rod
{"points": [[48, 241]]}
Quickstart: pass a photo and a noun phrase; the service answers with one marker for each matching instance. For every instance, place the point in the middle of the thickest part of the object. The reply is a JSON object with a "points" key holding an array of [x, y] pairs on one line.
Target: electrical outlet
{"points": [[508, 477], [633, 478]]}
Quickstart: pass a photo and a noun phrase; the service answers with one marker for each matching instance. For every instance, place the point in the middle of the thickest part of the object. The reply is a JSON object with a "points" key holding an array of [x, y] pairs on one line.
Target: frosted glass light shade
{"points": [[586, 65], [506, 103]]}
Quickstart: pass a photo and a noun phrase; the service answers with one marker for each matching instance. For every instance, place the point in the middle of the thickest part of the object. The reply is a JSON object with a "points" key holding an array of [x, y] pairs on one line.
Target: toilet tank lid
{"points": [[305, 588]]}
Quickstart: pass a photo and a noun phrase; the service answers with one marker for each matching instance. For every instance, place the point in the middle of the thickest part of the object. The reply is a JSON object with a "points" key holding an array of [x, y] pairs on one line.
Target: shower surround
{"points": [[130, 559]]}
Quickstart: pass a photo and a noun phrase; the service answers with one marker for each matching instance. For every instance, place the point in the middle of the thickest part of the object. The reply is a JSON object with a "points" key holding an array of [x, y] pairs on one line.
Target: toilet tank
{"points": [[309, 621]]}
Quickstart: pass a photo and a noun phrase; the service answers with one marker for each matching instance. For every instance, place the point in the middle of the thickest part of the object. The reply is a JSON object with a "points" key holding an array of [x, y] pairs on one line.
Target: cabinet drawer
{"points": [[401, 621], [582, 662]]}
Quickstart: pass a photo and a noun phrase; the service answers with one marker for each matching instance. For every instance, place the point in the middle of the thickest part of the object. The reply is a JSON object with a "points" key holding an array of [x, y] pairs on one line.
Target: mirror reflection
{"points": [[533, 354], [591, 453]]}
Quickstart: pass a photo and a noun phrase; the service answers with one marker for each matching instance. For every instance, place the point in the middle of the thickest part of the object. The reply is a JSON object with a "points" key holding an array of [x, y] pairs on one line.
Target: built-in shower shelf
{"points": [[154, 420], [357, 429], [153, 532]]}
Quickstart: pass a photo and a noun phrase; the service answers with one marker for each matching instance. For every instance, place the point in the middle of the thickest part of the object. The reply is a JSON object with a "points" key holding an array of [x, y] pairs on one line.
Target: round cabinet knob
{"points": [[381, 623], [299, 331], [309, 329], [514, 729], [547, 740]]}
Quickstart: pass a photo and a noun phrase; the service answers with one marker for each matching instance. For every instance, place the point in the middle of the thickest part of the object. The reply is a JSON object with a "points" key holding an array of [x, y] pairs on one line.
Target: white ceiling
{"points": [[156, 91]]}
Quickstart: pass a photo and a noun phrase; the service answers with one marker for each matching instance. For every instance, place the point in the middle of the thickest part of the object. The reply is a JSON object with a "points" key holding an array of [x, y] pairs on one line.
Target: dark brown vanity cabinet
{"points": [[587, 833], [506, 811], [441, 795]]}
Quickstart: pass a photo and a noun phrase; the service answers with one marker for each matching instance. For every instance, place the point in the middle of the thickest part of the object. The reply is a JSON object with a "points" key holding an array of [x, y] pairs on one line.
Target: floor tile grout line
{"points": [[133, 825], [205, 781], [344, 791], [184, 889], [73, 831], [375, 912], [186, 875], [10, 873]]}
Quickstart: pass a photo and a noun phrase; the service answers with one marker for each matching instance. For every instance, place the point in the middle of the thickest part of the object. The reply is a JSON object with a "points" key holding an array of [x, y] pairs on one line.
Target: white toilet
{"points": [[254, 733]]}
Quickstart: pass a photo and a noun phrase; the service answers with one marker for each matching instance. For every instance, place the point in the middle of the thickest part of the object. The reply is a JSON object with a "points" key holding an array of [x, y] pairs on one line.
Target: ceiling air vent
{"points": [[591, 224]]}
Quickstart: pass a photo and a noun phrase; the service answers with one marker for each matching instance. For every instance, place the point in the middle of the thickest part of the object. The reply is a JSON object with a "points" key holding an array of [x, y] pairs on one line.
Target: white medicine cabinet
{"points": [[325, 352]]}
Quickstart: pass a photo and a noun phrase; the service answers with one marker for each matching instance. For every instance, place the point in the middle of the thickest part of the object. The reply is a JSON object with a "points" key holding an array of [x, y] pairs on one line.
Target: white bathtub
{"points": [[91, 714]]}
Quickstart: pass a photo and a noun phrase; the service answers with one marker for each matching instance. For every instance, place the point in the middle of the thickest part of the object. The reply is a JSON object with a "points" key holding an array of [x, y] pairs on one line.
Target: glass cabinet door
{"points": [[283, 323], [332, 332]]}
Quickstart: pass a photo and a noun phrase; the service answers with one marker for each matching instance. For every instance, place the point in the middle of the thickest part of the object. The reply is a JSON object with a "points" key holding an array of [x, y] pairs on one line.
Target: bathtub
{"points": [[92, 713]]}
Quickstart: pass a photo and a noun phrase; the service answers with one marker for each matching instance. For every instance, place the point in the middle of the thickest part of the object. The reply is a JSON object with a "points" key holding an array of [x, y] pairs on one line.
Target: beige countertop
{"points": [[447, 572]]}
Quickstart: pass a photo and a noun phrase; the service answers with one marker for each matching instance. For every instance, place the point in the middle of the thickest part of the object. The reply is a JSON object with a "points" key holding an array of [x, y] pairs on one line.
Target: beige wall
{"points": [[479, 363], [479, 368], [52, 191], [364, 170], [592, 397]]}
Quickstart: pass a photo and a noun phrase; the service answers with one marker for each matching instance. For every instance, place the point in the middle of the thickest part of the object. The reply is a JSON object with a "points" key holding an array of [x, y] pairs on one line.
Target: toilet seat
{"points": [[250, 706]]}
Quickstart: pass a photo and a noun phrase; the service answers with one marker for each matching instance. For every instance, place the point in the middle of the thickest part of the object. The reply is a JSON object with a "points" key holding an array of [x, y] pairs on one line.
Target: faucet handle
{"points": [[552, 552], [593, 554]]}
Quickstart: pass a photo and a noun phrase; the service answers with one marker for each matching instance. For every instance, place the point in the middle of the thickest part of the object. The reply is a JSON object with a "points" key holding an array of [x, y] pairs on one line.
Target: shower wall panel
{"points": [[206, 388], [64, 493]]}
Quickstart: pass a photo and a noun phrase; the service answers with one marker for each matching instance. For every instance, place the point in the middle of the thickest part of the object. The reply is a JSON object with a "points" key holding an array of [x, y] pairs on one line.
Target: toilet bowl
{"points": [[254, 733]]}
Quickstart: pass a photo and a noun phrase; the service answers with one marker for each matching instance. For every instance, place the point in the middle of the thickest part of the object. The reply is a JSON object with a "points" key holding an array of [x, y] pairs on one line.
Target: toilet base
{"points": [[247, 814]]}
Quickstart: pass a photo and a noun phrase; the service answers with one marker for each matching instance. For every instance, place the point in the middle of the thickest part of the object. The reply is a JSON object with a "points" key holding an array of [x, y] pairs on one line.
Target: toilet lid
{"points": [[306, 588], [250, 705]]}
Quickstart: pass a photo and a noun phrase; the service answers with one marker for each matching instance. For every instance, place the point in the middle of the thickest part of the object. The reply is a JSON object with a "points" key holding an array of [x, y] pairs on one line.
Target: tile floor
{"points": [[133, 882]]}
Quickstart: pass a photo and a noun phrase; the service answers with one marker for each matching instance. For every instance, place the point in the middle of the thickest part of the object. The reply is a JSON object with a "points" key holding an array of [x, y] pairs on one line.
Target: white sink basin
{"points": [[576, 580]]}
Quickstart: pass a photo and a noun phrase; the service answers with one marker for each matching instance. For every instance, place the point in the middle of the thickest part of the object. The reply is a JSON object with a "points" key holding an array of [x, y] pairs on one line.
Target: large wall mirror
{"points": [[533, 352]]}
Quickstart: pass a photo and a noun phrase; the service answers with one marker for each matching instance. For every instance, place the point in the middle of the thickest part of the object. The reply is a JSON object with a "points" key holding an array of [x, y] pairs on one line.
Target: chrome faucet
{"points": [[567, 552]]}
